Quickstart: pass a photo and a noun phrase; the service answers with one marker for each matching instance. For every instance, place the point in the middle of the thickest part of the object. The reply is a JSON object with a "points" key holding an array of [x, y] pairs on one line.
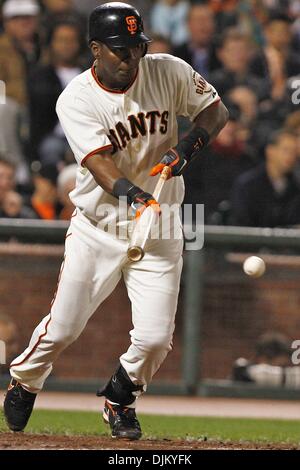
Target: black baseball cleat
{"points": [[18, 406], [123, 421]]}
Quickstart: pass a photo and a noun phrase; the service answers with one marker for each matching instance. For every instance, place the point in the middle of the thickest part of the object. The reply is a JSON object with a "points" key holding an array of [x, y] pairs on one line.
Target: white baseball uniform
{"points": [[138, 126]]}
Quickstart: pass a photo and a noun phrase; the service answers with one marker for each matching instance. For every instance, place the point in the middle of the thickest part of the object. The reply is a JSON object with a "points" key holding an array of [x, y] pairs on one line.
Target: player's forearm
{"points": [[113, 181], [104, 170], [207, 126], [213, 119]]}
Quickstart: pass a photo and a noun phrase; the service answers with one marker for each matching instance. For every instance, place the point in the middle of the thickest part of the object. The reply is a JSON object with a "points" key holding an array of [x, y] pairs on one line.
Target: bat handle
{"points": [[136, 253], [163, 177]]}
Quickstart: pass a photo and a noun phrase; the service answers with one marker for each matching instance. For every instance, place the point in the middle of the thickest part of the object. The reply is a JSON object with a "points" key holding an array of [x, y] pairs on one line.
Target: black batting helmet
{"points": [[117, 25]]}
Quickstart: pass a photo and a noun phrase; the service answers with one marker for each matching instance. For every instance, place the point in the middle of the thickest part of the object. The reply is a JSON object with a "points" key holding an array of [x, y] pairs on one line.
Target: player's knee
{"points": [[64, 337], [160, 342]]}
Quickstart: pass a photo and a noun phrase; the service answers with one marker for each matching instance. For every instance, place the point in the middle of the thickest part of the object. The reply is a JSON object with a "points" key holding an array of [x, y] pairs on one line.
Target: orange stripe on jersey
{"points": [[119, 92], [94, 152]]}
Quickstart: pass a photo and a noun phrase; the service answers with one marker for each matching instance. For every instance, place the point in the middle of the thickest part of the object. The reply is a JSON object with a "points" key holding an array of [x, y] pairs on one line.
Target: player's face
{"points": [[118, 66]]}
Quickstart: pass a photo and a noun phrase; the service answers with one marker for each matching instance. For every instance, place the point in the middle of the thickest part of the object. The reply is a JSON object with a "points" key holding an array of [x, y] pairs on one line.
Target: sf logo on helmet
{"points": [[132, 24]]}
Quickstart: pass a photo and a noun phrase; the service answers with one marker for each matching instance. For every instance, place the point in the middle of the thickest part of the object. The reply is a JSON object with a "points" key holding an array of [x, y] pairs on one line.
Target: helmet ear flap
{"points": [[145, 50]]}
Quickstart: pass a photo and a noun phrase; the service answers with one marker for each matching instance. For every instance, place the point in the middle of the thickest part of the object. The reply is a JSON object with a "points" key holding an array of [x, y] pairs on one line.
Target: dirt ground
{"points": [[12, 441], [191, 406]]}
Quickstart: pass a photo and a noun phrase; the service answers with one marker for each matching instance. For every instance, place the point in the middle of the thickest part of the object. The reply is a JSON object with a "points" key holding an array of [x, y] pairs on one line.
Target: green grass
{"points": [[172, 427]]}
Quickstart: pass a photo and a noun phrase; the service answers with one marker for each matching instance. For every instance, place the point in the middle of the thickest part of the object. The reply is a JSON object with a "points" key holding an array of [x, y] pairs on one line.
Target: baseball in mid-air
{"points": [[254, 266]]}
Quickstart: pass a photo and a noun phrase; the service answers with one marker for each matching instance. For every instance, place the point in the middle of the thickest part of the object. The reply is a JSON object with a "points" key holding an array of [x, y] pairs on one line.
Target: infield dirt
{"points": [[11, 441]]}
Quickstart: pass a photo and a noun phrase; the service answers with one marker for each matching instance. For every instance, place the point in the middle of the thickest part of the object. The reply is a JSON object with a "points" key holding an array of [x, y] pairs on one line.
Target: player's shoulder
{"points": [[76, 88], [165, 61]]}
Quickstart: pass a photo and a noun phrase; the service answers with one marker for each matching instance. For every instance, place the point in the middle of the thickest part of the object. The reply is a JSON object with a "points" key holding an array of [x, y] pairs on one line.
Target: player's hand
{"points": [[185, 151], [174, 159], [141, 200], [138, 199]]}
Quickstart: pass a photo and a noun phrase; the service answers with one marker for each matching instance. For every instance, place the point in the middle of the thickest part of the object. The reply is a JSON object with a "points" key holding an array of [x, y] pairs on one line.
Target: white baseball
{"points": [[254, 266]]}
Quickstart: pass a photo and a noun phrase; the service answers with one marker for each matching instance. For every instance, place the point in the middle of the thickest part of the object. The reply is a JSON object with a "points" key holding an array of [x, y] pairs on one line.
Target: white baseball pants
{"points": [[93, 265]]}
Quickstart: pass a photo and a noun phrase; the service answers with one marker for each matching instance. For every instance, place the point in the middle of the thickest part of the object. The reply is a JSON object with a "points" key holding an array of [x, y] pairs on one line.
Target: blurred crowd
{"points": [[249, 50], [270, 364]]}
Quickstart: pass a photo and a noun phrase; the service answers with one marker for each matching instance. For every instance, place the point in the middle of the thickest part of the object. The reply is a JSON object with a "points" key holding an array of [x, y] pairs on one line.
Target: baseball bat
{"points": [[143, 226]]}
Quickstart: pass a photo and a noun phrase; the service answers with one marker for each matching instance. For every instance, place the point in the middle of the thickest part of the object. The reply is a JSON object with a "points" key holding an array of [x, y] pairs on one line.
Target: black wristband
{"points": [[124, 187], [193, 142]]}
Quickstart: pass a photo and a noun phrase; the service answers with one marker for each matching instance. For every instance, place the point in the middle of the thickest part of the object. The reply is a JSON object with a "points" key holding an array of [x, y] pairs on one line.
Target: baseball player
{"points": [[120, 120]]}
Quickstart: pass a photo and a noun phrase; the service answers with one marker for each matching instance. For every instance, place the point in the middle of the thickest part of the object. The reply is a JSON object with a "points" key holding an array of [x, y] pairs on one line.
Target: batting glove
{"points": [[136, 197], [172, 159], [141, 200], [185, 151]]}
